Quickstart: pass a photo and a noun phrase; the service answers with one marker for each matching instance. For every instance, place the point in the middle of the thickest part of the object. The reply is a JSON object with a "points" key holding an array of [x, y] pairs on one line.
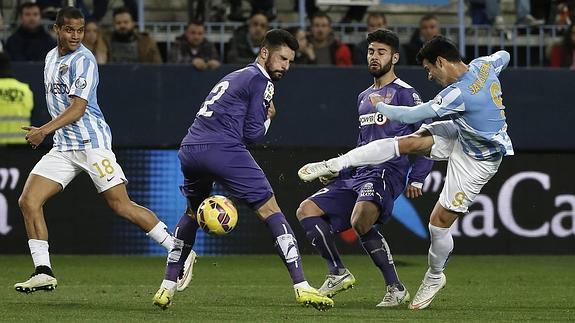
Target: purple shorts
{"points": [[231, 165], [338, 199]]}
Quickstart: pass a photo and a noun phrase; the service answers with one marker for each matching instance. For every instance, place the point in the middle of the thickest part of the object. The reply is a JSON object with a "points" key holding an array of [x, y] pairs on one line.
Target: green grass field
{"points": [[257, 288]]}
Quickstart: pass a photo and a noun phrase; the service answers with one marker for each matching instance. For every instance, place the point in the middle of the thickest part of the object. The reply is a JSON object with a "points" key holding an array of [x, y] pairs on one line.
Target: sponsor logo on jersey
{"points": [[372, 118], [416, 98], [57, 88], [367, 190], [63, 69], [269, 92], [80, 83]]}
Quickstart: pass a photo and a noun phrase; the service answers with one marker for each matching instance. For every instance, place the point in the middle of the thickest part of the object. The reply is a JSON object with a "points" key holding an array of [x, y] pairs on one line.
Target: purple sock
{"points": [[286, 245], [185, 236], [377, 248], [319, 234]]}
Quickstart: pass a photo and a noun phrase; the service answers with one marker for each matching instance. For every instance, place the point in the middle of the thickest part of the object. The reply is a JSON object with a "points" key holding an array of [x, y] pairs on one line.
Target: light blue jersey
{"points": [[75, 74], [474, 104]]}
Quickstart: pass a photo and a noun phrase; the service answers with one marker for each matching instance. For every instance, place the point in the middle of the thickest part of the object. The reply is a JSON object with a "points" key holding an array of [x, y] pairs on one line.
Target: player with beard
{"points": [[367, 194], [237, 112]]}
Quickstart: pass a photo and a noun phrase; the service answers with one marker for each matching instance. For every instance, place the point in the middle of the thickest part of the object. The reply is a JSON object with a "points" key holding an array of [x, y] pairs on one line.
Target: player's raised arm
{"points": [[404, 114], [500, 60]]}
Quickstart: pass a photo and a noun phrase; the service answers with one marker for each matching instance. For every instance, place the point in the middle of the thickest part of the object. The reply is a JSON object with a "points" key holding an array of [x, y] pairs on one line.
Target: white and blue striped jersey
{"points": [[75, 74], [475, 105]]}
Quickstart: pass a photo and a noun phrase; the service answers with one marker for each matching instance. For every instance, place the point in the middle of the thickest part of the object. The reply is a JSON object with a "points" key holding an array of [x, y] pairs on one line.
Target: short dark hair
{"points": [[384, 36], [68, 13], [321, 14], [195, 23], [121, 10], [5, 65], [438, 46], [427, 17], [27, 5], [377, 14], [279, 37]]}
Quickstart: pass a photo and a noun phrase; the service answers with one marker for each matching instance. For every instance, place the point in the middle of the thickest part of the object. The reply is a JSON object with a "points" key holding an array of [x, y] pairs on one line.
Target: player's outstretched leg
{"points": [[373, 153], [320, 235], [377, 248], [185, 236], [287, 248], [434, 280]]}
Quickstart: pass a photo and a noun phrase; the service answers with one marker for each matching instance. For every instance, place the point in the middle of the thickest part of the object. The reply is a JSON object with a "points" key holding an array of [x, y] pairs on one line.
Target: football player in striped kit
{"points": [[473, 142], [82, 143]]}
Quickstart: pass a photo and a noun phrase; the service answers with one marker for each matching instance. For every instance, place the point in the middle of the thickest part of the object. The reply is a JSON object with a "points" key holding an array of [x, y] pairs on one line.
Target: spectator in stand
{"points": [[94, 41], [246, 41], [305, 54], [328, 50], [492, 13], [265, 7], [193, 48], [353, 13], [30, 42], [375, 21], [428, 28], [127, 45], [563, 53]]}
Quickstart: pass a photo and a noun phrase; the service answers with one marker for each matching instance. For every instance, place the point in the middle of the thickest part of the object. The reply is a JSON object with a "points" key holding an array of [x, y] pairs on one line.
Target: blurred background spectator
{"points": [[375, 21], [265, 7], [127, 45], [563, 53], [30, 42], [353, 13], [489, 12], [193, 48], [305, 53], [94, 41], [428, 28], [246, 41], [328, 49], [16, 102]]}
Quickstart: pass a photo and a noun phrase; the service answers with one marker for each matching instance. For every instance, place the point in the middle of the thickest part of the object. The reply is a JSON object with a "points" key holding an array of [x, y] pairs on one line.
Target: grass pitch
{"points": [[257, 288]]}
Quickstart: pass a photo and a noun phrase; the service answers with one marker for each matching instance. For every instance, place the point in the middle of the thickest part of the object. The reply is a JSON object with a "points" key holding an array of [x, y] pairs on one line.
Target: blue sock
{"points": [[286, 245], [376, 247], [184, 238], [319, 234]]}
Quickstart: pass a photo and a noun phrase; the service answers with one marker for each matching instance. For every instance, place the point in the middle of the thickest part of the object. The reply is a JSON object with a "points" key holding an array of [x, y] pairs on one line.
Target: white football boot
{"points": [[311, 171], [37, 282], [427, 291], [186, 275], [394, 297], [337, 283]]}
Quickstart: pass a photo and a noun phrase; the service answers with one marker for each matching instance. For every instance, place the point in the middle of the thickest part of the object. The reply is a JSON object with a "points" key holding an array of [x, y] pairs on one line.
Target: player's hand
{"points": [[375, 98], [35, 136], [412, 191], [271, 110], [199, 63]]}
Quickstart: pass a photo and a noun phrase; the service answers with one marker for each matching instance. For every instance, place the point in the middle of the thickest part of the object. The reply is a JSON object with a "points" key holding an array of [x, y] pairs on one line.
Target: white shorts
{"points": [[466, 175], [63, 166]]}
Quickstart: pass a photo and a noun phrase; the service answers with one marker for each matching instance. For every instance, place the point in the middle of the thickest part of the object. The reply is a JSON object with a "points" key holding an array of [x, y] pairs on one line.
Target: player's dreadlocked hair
{"points": [[438, 46], [384, 36], [68, 13], [278, 37]]}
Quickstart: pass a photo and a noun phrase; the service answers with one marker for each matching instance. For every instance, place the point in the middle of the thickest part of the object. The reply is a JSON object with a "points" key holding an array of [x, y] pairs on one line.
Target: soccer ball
{"points": [[217, 215]]}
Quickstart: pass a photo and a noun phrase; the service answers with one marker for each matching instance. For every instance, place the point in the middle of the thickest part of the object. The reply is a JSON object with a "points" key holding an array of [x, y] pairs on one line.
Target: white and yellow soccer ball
{"points": [[217, 215]]}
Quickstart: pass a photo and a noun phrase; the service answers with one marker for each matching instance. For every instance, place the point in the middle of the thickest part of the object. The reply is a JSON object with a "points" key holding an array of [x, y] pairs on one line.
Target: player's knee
{"points": [[360, 226], [28, 203], [308, 209]]}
